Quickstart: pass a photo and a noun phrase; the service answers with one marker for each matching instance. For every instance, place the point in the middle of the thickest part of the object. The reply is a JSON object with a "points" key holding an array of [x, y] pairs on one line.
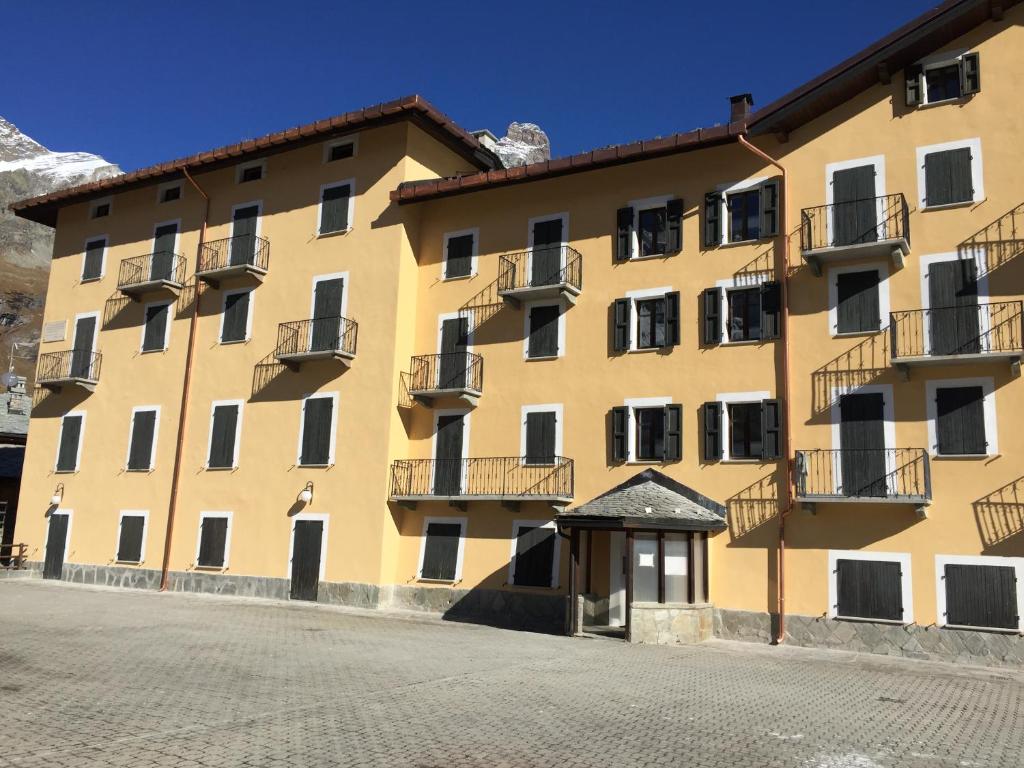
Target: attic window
{"points": [[250, 172], [340, 150], [943, 79], [170, 193], [99, 208]]}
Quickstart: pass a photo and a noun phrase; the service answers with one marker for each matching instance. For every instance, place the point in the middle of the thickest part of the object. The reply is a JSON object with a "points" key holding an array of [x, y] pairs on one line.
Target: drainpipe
{"points": [[787, 505], [186, 385]]}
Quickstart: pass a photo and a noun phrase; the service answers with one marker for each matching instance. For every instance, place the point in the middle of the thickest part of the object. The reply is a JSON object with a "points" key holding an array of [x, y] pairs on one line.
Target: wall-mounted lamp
{"points": [[306, 494], [58, 494]]}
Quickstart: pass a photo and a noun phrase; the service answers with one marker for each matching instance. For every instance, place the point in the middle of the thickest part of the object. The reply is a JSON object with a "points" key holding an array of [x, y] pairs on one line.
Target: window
{"points": [[650, 323], [751, 424], [336, 207], [858, 299], [752, 208], [647, 429], [744, 215], [544, 331], [95, 259], [945, 79], [169, 193], [214, 540], [534, 554], [979, 591], [460, 254], [251, 172], [960, 420], [653, 231], [650, 433], [646, 320], [441, 549], [744, 314], [69, 448], [740, 313], [950, 174], [651, 227], [225, 431], [340, 150], [156, 327], [99, 209], [745, 430], [541, 440], [236, 319], [868, 589], [316, 432], [142, 438], [131, 537], [668, 567]]}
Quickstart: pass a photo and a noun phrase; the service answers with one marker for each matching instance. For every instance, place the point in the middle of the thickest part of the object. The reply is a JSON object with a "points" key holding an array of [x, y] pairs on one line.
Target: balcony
{"points": [[509, 480], [239, 256], [859, 229], [452, 374], [864, 475], [73, 367], [968, 334], [544, 272], [152, 273], [323, 338]]}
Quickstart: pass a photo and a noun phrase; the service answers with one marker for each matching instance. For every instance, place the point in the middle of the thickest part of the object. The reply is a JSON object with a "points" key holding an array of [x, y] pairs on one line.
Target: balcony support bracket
{"points": [[904, 370], [470, 399], [1015, 367], [291, 365], [559, 508], [423, 400], [407, 504], [922, 511], [569, 297], [815, 264], [510, 504], [897, 257], [511, 301], [810, 508], [460, 505]]}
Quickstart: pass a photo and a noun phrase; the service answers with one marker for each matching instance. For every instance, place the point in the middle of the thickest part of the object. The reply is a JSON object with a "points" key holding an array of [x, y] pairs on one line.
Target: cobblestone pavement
{"points": [[98, 677]]}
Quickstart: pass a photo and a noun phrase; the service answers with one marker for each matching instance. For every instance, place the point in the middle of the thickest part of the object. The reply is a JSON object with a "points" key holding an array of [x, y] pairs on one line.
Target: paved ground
{"points": [[93, 677]]}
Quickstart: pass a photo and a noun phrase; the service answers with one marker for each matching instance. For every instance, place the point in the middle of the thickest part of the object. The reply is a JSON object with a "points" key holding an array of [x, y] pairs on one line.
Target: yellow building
{"points": [[757, 380]]}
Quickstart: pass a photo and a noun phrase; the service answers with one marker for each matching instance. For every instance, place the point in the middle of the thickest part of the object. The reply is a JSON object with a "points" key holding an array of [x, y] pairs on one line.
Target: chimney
{"points": [[739, 107]]}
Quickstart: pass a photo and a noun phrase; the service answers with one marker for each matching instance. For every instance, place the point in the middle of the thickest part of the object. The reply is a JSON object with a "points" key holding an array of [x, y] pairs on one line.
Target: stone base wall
{"points": [[30, 571], [495, 607], [670, 623]]}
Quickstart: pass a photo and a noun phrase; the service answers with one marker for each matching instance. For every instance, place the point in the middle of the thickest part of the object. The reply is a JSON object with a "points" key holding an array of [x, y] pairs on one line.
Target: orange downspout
{"points": [[787, 431], [186, 385]]}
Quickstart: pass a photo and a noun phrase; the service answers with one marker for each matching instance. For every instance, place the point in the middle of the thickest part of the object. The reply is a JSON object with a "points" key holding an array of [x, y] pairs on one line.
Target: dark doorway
{"points": [[162, 264], [953, 312], [327, 315], [81, 352], [451, 369], [546, 259], [307, 539], [862, 439], [56, 543], [448, 457], [243, 244], [854, 209]]}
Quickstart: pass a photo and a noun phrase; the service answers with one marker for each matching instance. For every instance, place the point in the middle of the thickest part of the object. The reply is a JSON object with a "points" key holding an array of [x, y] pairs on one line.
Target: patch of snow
{"points": [[63, 168], [14, 144], [523, 143]]}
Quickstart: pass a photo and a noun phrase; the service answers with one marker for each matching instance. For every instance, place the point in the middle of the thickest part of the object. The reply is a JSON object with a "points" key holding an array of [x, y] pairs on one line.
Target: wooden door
{"points": [[81, 351], [953, 313], [862, 439], [854, 207], [546, 258], [307, 539], [451, 369], [243, 243], [56, 543], [162, 265], [448, 456], [326, 330]]}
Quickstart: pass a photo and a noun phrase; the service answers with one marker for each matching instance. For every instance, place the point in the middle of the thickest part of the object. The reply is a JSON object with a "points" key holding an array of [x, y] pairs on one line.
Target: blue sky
{"points": [[141, 82]]}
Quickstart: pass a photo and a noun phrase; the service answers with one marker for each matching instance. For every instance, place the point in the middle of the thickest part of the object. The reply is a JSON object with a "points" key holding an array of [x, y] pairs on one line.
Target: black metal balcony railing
{"points": [[507, 477], [994, 328], [896, 474], [447, 371], [322, 334], [858, 222], [68, 365], [151, 268], [238, 251], [548, 265]]}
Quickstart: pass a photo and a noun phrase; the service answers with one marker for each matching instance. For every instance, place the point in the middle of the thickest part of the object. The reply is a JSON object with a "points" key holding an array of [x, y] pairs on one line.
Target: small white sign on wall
{"points": [[55, 330], [646, 560]]}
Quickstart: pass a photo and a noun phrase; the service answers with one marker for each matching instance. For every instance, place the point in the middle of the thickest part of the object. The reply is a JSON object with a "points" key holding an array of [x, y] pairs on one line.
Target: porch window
{"points": [[668, 567]]}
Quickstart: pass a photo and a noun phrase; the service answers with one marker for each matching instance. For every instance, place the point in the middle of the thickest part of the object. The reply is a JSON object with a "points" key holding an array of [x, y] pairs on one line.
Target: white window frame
{"points": [[259, 215], [344, 291], [238, 435], [475, 233], [131, 434], [988, 405], [527, 306], [723, 191], [884, 307], [941, 561], [60, 439], [144, 514], [466, 413], [888, 428], [177, 234], [878, 161], [94, 204], [227, 540], [462, 522], [314, 517], [646, 204], [555, 559], [632, 404], [737, 398], [329, 145], [161, 188], [249, 313], [167, 327], [906, 581], [333, 397], [242, 167], [977, 172], [737, 283], [564, 217], [351, 184], [980, 258], [555, 408], [634, 326], [103, 258], [943, 59], [67, 536]]}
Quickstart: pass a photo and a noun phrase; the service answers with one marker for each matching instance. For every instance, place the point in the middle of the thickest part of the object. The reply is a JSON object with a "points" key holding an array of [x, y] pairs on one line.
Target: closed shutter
{"points": [[441, 551], [317, 414], [535, 557], [129, 543], [236, 317], [672, 319], [869, 589], [913, 78], [222, 441], [981, 596], [711, 322], [327, 298], [155, 334], [857, 308], [543, 332], [459, 261], [93, 266], [970, 74], [770, 208], [947, 177], [162, 265], [540, 437], [960, 421], [140, 453], [620, 323], [771, 430], [213, 538], [334, 209], [673, 432], [620, 425], [674, 240], [70, 434], [243, 231], [712, 431], [624, 238], [771, 310], [712, 219]]}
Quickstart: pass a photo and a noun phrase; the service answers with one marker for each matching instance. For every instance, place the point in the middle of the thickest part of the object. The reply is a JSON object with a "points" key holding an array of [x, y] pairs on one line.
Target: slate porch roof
{"points": [[648, 499]]}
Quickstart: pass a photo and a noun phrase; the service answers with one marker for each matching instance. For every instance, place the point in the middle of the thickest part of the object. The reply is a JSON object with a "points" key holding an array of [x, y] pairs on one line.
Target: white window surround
{"points": [[167, 326], [729, 188], [60, 439], [878, 161], [95, 329], [94, 204], [329, 145], [241, 167], [454, 316], [564, 217], [67, 535], [632, 404], [238, 435], [934, 61], [527, 306], [906, 584], [634, 328], [977, 176], [465, 413], [131, 434], [177, 233], [343, 276], [461, 522], [223, 312], [548, 524], [144, 514], [941, 561], [735, 398], [333, 396], [315, 517], [979, 255], [884, 307], [558, 410], [988, 406], [227, 540], [737, 283], [475, 232], [888, 428], [259, 215], [103, 258], [645, 204], [161, 188], [350, 217]]}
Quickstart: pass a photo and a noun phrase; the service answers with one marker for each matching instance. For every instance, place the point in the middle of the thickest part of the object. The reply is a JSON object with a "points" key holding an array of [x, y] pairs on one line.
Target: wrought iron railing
{"points": [[69, 364], [162, 265], [322, 334], [864, 473], [994, 328], [449, 370], [507, 477], [13, 556], [539, 267], [240, 250], [856, 222]]}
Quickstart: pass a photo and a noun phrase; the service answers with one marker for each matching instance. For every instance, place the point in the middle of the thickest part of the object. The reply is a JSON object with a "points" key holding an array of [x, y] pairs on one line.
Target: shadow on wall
{"points": [[762, 267], [272, 380], [755, 505], [1000, 519], [863, 364], [997, 244]]}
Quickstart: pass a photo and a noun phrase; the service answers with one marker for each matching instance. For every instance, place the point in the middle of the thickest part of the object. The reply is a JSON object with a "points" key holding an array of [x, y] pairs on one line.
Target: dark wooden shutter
{"points": [[771, 430], [222, 442], [441, 551], [327, 298], [674, 239], [307, 542], [535, 556], [236, 317], [712, 318], [770, 208], [540, 437], [947, 177], [712, 431], [70, 434], [953, 318], [913, 78], [869, 589], [459, 261], [970, 74], [620, 438], [854, 206], [93, 266], [156, 328], [857, 308], [673, 432], [960, 421], [712, 219], [543, 331], [981, 596], [672, 319], [140, 453], [334, 209], [82, 348], [317, 413], [213, 540], [771, 310], [862, 440], [243, 231], [56, 543], [624, 239], [129, 543], [448, 461], [341, 151], [620, 321], [162, 265]]}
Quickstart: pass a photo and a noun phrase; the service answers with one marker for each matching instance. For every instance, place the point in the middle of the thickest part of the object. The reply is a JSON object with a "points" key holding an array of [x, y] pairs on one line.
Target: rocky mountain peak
{"points": [[522, 144]]}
